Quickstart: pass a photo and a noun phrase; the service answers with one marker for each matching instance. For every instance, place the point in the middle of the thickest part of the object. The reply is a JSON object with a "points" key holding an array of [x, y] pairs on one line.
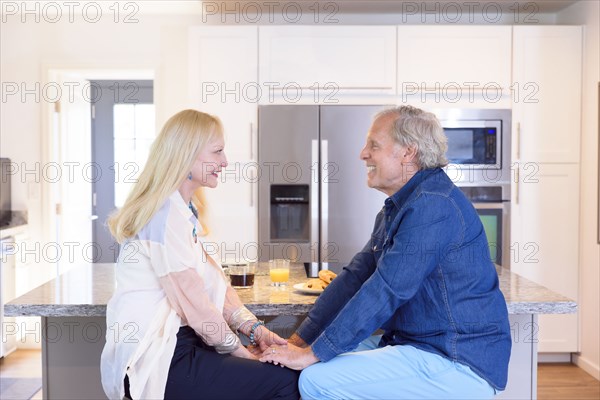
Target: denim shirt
{"points": [[426, 278]]}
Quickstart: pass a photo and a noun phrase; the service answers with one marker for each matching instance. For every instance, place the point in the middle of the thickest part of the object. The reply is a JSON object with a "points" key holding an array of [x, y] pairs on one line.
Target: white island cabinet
{"points": [[74, 327], [547, 129]]}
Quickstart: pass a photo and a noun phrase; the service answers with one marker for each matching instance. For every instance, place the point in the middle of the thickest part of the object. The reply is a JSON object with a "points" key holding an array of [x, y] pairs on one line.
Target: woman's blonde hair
{"points": [[170, 160]]}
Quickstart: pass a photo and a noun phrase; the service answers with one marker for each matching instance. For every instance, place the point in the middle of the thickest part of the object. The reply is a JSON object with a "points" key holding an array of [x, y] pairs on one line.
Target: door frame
{"points": [[50, 75]]}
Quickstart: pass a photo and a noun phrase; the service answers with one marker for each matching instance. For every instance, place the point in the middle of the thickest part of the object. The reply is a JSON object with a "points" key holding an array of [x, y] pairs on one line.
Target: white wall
{"points": [[29, 49], [587, 13], [156, 44]]}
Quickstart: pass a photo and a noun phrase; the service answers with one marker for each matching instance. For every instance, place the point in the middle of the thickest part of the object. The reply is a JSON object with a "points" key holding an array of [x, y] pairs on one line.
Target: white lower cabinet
{"points": [[233, 214], [7, 293], [544, 242]]}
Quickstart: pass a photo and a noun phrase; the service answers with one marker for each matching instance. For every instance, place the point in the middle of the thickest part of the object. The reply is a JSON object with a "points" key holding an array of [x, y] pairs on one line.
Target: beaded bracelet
{"points": [[254, 326]]}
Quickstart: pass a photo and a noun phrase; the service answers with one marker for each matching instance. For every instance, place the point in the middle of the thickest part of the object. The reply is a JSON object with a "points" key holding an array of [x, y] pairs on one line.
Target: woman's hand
{"points": [[290, 356], [242, 352], [264, 338], [297, 341]]}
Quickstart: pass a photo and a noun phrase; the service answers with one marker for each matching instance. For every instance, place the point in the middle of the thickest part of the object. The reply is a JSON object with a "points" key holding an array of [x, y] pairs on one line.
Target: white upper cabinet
{"points": [[547, 106], [347, 59], [223, 77], [454, 57]]}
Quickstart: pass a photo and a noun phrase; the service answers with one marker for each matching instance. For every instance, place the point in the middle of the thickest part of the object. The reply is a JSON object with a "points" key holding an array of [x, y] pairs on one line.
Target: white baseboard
{"points": [[586, 365], [554, 357]]}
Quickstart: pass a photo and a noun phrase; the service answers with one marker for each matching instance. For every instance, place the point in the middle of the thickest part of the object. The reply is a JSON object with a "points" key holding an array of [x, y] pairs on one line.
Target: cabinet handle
{"points": [[251, 142], [518, 140], [517, 184], [348, 87], [252, 189]]}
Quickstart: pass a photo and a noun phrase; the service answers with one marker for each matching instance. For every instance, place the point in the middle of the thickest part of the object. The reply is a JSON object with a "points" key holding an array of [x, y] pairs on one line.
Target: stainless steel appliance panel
{"points": [[495, 218], [474, 174], [349, 206], [287, 155]]}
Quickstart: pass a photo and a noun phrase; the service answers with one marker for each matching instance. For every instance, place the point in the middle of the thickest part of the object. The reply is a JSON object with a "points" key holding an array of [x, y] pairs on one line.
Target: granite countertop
{"points": [[84, 292], [17, 220]]}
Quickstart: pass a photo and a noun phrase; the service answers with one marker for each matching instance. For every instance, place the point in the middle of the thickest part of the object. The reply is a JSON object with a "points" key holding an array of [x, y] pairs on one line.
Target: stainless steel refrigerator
{"points": [[314, 205]]}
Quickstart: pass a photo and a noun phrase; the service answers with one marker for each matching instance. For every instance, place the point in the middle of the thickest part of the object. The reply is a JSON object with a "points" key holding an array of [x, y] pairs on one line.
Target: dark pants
{"points": [[198, 372]]}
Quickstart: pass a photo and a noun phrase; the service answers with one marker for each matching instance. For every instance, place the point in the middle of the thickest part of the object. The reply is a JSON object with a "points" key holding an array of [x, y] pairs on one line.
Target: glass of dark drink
{"points": [[242, 275]]}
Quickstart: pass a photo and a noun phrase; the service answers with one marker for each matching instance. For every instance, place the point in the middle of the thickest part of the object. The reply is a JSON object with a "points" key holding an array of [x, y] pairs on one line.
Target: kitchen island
{"points": [[72, 308]]}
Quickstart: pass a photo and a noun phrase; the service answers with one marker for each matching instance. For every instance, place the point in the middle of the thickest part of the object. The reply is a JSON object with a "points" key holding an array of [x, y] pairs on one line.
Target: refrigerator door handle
{"points": [[324, 183], [314, 201]]}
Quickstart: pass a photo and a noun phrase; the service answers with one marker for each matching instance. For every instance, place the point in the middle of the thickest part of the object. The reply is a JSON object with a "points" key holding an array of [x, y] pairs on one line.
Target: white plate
{"points": [[301, 288]]}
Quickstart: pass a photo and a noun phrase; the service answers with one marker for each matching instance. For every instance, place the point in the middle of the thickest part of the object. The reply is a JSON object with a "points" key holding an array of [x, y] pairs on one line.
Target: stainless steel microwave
{"points": [[474, 143], [479, 143]]}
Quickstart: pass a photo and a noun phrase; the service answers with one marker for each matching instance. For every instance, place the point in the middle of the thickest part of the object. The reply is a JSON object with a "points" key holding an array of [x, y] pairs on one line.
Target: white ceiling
{"points": [[396, 6], [196, 7], [354, 6]]}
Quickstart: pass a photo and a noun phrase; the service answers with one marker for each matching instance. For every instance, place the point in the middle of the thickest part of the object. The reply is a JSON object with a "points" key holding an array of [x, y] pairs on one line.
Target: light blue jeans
{"points": [[391, 372]]}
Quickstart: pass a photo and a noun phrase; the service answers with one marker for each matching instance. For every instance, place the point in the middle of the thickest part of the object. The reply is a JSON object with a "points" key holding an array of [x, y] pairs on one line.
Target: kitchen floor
{"points": [[23, 364], [555, 381]]}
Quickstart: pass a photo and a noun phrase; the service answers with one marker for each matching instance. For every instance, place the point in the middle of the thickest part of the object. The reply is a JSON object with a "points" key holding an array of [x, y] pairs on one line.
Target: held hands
{"points": [[242, 352], [264, 338], [290, 356], [270, 347]]}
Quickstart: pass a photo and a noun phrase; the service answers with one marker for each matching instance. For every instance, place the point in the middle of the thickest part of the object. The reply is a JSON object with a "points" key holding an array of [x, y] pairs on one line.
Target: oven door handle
{"points": [[491, 205]]}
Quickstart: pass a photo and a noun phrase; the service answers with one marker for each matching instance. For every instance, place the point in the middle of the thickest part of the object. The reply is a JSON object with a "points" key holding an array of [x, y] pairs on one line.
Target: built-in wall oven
{"points": [[479, 142]]}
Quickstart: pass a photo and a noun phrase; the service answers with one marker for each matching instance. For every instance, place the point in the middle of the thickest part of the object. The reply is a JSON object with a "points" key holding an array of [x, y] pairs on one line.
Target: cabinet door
{"points": [[547, 92], [453, 57], [330, 58], [544, 243], [233, 214], [223, 75]]}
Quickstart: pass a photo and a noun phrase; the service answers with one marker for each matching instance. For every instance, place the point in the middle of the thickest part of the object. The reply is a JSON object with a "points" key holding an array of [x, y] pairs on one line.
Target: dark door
{"points": [[123, 127]]}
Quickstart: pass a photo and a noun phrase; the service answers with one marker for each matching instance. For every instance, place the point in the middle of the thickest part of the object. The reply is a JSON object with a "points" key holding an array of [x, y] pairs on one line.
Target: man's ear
{"points": [[410, 154]]}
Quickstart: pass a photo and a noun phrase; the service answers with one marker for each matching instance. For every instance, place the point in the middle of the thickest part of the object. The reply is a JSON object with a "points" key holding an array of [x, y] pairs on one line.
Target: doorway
{"points": [[123, 128]]}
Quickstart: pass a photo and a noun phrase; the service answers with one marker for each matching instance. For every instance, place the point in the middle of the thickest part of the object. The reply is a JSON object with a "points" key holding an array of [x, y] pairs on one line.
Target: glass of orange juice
{"points": [[279, 271]]}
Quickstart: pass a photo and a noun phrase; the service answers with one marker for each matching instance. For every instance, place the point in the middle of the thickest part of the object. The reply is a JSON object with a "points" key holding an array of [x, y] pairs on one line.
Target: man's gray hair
{"points": [[421, 129]]}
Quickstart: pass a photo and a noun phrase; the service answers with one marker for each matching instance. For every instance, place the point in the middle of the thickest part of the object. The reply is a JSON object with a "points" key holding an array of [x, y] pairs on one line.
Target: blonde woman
{"points": [[172, 323]]}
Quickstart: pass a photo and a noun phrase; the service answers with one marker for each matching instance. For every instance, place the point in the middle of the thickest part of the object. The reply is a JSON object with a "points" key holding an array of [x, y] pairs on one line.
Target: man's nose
{"points": [[363, 153]]}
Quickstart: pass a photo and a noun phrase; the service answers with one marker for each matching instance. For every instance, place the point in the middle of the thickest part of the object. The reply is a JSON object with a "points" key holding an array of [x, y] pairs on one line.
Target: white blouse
{"points": [[165, 280]]}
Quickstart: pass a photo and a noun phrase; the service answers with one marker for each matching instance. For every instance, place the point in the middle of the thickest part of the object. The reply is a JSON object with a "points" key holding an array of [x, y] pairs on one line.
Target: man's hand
{"points": [[290, 356], [297, 341]]}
